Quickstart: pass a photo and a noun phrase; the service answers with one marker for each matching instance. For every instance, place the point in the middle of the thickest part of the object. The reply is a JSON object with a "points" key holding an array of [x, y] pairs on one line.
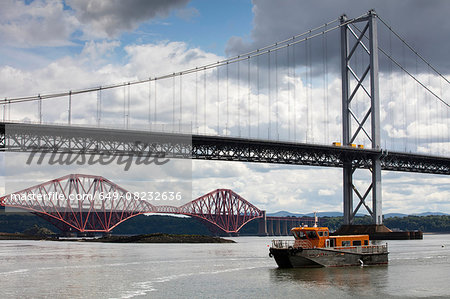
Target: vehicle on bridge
{"points": [[314, 247]]}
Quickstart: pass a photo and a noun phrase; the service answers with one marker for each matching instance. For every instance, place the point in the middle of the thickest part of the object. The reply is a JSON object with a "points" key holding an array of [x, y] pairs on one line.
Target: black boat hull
{"points": [[324, 257]]}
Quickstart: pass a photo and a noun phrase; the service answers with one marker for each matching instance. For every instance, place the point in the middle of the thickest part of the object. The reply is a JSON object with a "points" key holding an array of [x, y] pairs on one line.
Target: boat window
{"points": [[301, 235], [357, 243], [366, 242], [326, 234], [320, 234], [312, 235], [345, 243]]}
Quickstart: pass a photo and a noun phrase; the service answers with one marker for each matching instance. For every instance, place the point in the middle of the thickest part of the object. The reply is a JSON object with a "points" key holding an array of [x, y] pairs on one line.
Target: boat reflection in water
{"points": [[326, 282]]}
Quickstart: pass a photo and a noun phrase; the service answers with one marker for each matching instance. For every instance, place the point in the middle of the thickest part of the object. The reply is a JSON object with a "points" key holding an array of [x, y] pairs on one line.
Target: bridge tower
{"points": [[351, 84]]}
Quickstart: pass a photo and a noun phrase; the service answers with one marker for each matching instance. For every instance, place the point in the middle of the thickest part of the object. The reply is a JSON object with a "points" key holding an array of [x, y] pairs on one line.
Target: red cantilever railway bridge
{"points": [[79, 208]]}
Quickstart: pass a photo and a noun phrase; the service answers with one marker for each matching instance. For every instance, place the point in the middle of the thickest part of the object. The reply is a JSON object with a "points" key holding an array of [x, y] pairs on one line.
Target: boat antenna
{"points": [[315, 219]]}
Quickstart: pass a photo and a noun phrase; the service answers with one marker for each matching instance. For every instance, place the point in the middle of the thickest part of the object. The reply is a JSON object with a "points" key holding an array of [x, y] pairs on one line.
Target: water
{"points": [[42, 269]]}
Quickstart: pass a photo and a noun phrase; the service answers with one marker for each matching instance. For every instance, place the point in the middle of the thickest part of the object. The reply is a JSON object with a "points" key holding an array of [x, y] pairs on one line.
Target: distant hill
{"points": [[325, 214], [319, 214], [391, 215], [284, 214], [400, 215], [430, 214]]}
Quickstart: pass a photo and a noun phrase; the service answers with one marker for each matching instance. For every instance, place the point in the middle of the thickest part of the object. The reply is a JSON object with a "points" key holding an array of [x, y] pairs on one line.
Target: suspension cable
{"points": [[258, 52], [413, 77], [410, 74], [412, 49]]}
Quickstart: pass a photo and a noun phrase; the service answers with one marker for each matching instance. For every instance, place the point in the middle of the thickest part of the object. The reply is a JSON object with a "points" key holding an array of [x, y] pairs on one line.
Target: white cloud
{"points": [[98, 52], [109, 18], [48, 23], [41, 23], [412, 193], [326, 192]]}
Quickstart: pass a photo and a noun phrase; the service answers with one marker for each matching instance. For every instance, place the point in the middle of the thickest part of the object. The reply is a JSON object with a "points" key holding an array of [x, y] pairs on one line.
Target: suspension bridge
{"points": [[351, 93]]}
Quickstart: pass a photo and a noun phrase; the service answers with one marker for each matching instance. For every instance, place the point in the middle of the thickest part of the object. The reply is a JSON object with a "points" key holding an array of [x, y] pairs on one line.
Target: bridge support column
{"points": [[377, 215], [360, 132], [270, 227], [278, 227], [262, 225], [348, 192], [285, 227]]}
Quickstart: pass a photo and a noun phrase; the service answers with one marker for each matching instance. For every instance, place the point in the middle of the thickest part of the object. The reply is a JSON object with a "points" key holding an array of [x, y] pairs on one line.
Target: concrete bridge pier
{"points": [[270, 227], [262, 225], [278, 227], [286, 227]]}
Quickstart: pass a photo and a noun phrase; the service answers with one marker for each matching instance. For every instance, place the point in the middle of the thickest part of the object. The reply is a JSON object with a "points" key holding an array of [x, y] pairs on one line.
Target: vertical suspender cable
{"points": [[4, 110], [228, 110], [327, 135], [405, 116], [40, 109], [324, 91], [156, 99], [416, 116], [204, 100], [269, 97], [391, 89], [180, 118], [149, 103], [288, 65], [238, 102], [429, 131], [124, 105], [248, 99], [218, 100], [196, 101], [436, 124], [173, 102], [307, 89], [276, 95], [295, 93], [128, 106], [311, 111], [99, 105], [442, 118], [69, 116], [448, 126], [257, 87]]}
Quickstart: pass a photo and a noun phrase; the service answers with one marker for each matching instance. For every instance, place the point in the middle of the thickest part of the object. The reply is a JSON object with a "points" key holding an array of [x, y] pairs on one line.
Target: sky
{"points": [[51, 46]]}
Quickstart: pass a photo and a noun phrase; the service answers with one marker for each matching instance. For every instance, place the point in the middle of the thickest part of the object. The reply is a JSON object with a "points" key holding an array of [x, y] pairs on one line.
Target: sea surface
{"points": [[45, 269]]}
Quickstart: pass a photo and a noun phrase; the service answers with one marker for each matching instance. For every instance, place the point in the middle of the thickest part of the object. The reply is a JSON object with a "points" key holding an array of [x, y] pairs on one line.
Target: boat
{"points": [[314, 247]]}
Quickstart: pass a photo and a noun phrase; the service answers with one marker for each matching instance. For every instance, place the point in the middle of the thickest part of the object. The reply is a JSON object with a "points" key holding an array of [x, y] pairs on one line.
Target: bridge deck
{"points": [[34, 137]]}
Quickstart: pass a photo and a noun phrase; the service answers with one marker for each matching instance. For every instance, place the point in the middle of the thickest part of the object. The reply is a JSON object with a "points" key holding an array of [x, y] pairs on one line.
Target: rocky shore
{"points": [[161, 238], [148, 238]]}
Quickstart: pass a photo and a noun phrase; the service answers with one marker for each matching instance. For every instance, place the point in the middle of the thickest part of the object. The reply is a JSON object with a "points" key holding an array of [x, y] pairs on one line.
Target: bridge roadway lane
{"points": [[22, 137]]}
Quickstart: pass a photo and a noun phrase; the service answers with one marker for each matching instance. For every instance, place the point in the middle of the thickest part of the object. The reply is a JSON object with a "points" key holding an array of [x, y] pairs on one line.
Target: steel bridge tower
{"points": [[351, 84]]}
